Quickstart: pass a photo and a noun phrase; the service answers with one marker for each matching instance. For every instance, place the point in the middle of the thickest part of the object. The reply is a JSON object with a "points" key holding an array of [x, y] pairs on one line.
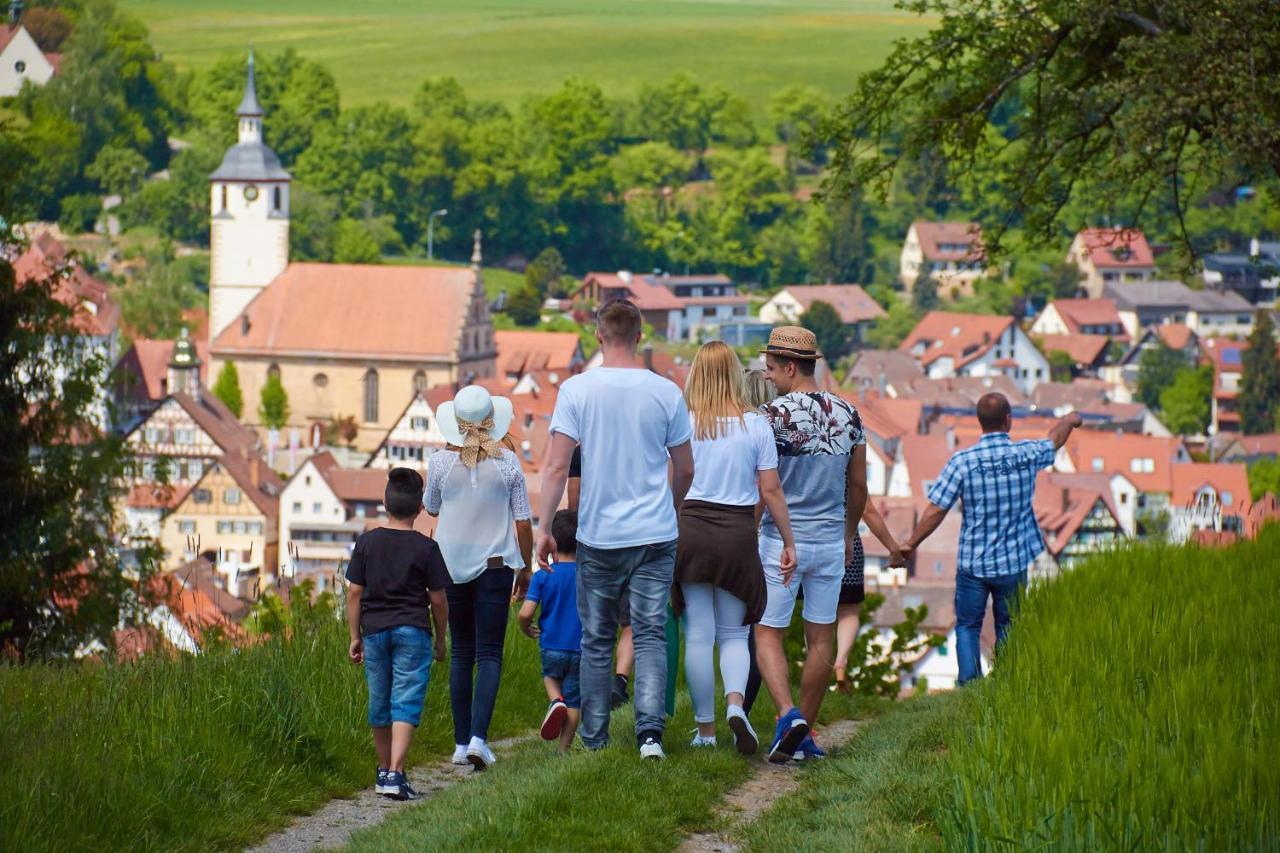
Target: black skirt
{"points": [[853, 588], [719, 545]]}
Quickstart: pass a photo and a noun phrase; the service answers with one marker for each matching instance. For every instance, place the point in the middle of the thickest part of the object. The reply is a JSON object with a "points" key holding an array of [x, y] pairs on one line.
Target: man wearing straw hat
{"points": [[822, 462], [630, 423]]}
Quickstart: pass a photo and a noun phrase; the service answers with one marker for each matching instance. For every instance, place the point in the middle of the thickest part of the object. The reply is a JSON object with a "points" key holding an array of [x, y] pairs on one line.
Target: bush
{"points": [[1133, 708], [79, 213]]}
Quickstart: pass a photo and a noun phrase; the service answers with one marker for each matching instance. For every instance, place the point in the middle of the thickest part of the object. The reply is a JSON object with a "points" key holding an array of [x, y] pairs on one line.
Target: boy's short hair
{"points": [[619, 321], [804, 366], [564, 529], [403, 498]]}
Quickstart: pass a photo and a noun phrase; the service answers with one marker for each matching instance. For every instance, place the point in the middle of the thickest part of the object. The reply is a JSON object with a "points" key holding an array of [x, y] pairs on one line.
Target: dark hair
{"points": [[619, 321], [564, 529], [804, 366], [403, 497], [993, 411]]}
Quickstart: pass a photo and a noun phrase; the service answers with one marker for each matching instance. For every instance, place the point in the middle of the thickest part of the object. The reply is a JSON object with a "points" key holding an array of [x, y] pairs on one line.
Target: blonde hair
{"points": [[714, 390], [758, 389]]}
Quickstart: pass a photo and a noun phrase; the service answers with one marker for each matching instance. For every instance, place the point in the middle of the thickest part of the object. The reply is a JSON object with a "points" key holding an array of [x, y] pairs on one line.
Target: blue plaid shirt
{"points": [[996, 479]]}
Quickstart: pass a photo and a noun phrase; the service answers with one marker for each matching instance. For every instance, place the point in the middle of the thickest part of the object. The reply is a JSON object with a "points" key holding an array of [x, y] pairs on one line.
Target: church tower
{"points": [[249, 207]]}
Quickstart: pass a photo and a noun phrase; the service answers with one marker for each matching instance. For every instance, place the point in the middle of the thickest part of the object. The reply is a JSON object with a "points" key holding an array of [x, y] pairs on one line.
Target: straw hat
{"points": [[473, 404], [793, 342]]}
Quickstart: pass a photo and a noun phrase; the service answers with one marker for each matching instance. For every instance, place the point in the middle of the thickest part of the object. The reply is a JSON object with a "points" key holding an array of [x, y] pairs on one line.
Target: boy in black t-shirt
{"points": [[396, 589]]}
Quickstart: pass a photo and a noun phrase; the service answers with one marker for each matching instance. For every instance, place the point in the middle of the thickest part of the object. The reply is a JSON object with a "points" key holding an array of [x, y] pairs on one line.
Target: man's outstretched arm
{"points": [[1063, 428]]}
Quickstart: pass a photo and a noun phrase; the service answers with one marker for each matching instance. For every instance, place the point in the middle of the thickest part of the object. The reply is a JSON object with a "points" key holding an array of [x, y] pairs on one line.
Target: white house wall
{"points": [[22, 52]]}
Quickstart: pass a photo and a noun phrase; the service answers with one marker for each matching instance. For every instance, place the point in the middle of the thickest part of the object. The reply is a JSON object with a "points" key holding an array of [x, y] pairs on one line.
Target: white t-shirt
{"points": [[625, 419], [725, 468]]}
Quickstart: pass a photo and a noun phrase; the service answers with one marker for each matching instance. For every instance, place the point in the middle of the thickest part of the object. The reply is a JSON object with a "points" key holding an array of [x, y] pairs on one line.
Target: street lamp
{"points": [[431, 231]]}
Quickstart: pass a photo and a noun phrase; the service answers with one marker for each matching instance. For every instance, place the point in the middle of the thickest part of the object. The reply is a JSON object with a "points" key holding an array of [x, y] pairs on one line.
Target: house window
{"points": [[20, 67], [152, 435], [937, 567], [224, 527], [195, 469], [371, 396], [1142, 465], [297, 506], [316, 508], [184, 436], [186, 527], [254, 528], [224, 197], [320, 380], [420, 382], [231, 496], [1124, 499], [202, 496], [1226, 499], [419, 423], [276, 198], [1097, 463]]}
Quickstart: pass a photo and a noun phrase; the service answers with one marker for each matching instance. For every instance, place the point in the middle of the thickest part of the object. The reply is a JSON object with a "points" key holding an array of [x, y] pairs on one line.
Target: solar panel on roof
{"points": [[1231, 356]]}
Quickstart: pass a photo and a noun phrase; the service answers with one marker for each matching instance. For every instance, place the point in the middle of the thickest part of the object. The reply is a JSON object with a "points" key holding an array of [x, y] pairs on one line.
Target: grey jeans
{"points": [[642, 575]]}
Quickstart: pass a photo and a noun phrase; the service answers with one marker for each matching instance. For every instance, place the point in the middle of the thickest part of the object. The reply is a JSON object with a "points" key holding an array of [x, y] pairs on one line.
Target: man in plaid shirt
{"points": [[999, 536]]}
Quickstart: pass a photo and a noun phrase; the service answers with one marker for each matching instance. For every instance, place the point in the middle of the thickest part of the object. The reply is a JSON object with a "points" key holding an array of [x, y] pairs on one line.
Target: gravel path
{"points": [[767, 783], [335, 822]]}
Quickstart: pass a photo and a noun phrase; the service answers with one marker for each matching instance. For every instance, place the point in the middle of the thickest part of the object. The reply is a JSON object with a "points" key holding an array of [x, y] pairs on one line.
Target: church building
{"points": [[345, 340]]}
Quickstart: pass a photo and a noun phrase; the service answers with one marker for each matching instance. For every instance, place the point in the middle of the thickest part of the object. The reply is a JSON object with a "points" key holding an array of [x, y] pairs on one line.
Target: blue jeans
{"points": [[971, 608], [478, 611], [606, 577], [563, 666], [397, 667]]}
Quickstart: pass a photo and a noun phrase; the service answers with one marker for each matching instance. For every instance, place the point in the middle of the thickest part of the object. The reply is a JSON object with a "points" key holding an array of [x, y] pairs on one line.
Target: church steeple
{"points": [[250, 111]]}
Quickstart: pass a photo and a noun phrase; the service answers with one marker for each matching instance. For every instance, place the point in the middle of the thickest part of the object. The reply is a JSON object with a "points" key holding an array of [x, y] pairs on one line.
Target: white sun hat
{"points": [[473, 404]]}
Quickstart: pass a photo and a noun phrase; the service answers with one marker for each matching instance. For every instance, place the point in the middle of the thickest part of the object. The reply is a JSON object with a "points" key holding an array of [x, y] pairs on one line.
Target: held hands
{"points": [[356, 651], [787, 564], [898, 556]]}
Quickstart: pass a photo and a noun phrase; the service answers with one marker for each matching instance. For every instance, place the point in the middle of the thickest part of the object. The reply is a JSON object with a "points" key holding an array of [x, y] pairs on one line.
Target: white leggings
{"points": [[713, 616]]}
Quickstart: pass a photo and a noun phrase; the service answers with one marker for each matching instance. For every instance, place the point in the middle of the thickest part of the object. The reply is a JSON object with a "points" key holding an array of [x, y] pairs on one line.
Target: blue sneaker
{"points": [[809, 749], [787, 736], [399, 787], [383, 785]]}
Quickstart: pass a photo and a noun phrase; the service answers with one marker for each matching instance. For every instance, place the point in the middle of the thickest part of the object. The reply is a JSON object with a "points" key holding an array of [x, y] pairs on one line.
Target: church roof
{"points": [[250, 161], [355, 311], [249, 105]]}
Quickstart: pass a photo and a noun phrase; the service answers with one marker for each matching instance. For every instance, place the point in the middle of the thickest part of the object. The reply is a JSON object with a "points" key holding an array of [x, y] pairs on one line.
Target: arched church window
{"points": [[276, 196], [320, 380], [224, 196], [420, 382], [371, 396]]}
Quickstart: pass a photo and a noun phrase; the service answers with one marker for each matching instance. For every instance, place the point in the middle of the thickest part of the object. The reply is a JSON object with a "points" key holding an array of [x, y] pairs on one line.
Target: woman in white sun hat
{"points": [[477, 489]]}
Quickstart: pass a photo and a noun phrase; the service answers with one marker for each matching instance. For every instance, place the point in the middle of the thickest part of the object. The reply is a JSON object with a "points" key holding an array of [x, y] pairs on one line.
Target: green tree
{"points": [[119, 171], [677, 112], [843, 226], [1184, 405], [1260, 379], [62, 573], [227, 388], [1264, 477], [892, 329], [797, 114], [1157, 369], [1061, 365], [79, 213], [154, 306], [525, 307], [924, 294], [829, 329], [354, 243], [273, 408], [1055, 100], [313, 223], [544, 273]]}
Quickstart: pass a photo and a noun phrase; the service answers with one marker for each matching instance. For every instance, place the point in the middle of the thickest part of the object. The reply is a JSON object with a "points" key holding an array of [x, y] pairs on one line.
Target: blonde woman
{"points": [[719, 580], [477, 489], [758, 390]]}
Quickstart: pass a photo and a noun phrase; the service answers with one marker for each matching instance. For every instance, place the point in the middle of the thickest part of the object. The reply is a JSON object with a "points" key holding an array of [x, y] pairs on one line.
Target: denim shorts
{"points": [[563, 667], [397, 667]]}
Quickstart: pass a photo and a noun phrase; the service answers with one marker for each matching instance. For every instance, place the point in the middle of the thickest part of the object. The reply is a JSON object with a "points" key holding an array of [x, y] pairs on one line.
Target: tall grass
{"points": [[210, 751], [1137, 707]]}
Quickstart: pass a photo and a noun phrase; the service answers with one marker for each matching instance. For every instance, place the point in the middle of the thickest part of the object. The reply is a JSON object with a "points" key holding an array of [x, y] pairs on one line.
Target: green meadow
{"points": [[505, 49]]}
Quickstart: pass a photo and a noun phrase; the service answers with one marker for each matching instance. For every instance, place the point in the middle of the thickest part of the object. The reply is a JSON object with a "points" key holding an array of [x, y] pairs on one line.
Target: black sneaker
{"points": [[401, 789], [619, 690]]}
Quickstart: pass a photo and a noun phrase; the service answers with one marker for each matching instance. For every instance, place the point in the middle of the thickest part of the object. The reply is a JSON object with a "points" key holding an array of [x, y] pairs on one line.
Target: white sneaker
{"points": [[460, 755], [744, 737], [480, 755], [702, 740], [652, 749]]}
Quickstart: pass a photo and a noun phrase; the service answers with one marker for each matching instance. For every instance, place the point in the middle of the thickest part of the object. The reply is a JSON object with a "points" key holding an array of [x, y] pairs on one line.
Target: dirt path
{"points": [[763, 788], [335, 822]]}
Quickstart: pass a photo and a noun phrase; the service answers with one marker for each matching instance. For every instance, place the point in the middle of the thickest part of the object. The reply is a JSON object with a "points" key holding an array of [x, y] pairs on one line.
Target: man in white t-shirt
{"points": [[629, 423]]}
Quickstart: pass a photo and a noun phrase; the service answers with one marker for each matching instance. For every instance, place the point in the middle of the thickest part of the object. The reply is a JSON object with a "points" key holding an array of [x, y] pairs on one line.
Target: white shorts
{"points": [[819, 571]]}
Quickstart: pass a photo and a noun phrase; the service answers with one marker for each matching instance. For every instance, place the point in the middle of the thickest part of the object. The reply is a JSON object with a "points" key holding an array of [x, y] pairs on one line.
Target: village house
{"points": [[230, 517], [1092, 399], [417, 326], [1247, 448], [1081, 317], [1227, 358], [950, 253], [141, 376], [21, 59], [525, 352], [679, 307], [881, 371], [1077, 514], [1111, 256], [977, 345], [1208, 496], [1206, 312], [1145, 461], [1087, 354], [1254, 276], [323, 508], [857, 310], [1122, 376]]}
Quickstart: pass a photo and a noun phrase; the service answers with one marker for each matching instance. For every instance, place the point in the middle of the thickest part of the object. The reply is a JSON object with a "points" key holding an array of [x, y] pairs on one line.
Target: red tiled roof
{"points": [[1225, 478], [932, 235], [1123, 248], [1084, 350], [356, 310], [358, 484], [850, 301], [1062, 502], [1260, 445], [1077, 313], [213, 416], [156, 496], [1175, 335], [95, 312], [924, 456], [962, 391], [148, 361], [1117, 451], [522, 352], [244, 469], [963, 337]]}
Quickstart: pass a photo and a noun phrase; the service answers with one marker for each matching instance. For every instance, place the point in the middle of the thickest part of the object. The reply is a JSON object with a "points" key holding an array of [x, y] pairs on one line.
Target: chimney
{"points": [[255, 473], [244, 324], [648, 356]]}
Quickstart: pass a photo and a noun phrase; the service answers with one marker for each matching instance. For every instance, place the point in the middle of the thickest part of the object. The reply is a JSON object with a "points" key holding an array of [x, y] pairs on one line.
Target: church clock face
{"points": [[250, 193]]}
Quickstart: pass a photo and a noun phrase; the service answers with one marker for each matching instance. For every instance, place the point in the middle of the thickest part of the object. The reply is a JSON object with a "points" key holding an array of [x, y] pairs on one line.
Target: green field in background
{"points": [[505, 49]]}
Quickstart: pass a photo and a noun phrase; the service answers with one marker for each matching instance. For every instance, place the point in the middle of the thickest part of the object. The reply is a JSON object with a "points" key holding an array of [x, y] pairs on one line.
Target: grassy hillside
{"points": [[503, 49]]}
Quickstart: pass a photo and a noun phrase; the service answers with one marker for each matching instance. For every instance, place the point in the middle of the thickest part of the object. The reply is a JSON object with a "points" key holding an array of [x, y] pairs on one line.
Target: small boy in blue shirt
{"points": [[558, 632]]}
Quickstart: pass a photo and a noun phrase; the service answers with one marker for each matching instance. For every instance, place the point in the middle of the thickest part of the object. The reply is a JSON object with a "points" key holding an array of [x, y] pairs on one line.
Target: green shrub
{"points": [[1135, 708], [209, 751]]}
